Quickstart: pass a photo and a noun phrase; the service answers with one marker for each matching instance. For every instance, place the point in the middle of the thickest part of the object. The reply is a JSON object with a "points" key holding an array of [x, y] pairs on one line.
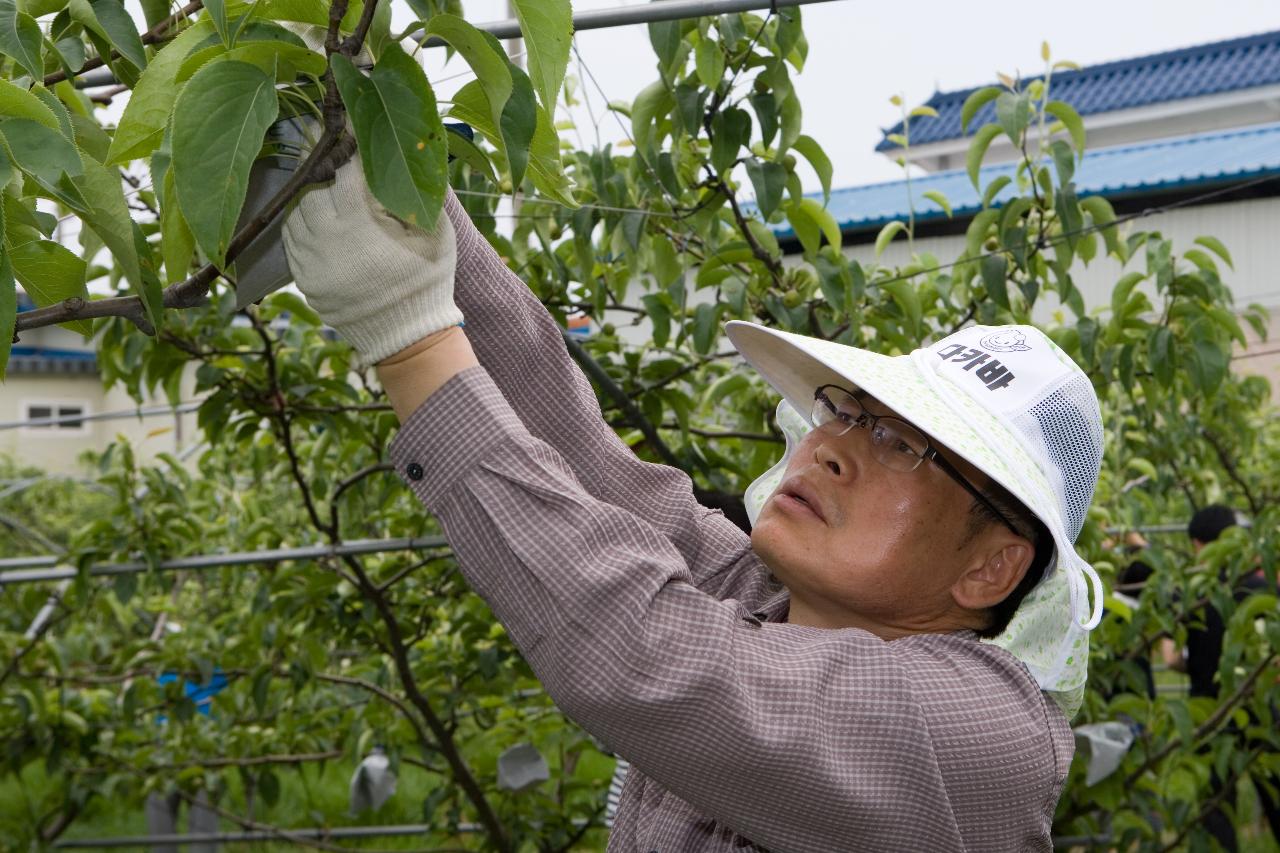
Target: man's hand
{"points": [[382, 284]]}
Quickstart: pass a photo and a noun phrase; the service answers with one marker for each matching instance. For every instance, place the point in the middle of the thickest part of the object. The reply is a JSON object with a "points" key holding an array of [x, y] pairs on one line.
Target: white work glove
{"points": [[382, 284]]}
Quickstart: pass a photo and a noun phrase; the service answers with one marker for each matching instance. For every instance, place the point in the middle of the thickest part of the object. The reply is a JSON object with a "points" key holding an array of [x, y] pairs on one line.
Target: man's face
{"points": [[884, 547]]}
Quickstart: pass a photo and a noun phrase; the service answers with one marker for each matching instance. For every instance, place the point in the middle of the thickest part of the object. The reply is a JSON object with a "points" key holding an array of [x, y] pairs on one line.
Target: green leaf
{"points": [[1120, 294], [940, 200], [995, 279], [176, 241], [519, 123], [768, 179], [812, 151], [1103, 215], [653, 101], [664, 37], [16, 102], [106, 214], [1209, 364], [709, 61], [462, 148], [1013, 112], [1160, 354], [8, 308], [491, 69], [824, 220], [705, 321], [993, 189], [1063, 160], [975, 102], [978, 150], [730, 130], [547, 26], [108, 19], [217, 13], [49, 274], [908, 301], [1215, 245], [766, 109], [400, 135], [142, 125], [20, 38], [40, 8], [219, 122], [470, 105], [659, 316], [58, 109], [1071, 120], [886, 235], [43, 153], [790, 118]]}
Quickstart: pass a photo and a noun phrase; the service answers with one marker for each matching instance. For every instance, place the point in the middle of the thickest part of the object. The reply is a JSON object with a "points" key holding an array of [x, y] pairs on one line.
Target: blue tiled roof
{"points": [[50, 354], [1205, 69], [1201, 160]]}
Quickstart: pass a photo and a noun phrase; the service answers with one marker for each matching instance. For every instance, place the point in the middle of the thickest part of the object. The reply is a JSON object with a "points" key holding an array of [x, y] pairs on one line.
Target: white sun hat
{"points": [[1009, 401]]}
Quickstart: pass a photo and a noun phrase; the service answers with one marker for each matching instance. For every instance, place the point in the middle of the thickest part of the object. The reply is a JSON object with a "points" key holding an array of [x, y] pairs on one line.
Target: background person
{"points": [[1205, 635]]}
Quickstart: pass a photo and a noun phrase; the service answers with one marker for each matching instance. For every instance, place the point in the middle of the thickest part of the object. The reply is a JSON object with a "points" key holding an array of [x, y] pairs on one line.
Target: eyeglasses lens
{"points": [[894, 443]]}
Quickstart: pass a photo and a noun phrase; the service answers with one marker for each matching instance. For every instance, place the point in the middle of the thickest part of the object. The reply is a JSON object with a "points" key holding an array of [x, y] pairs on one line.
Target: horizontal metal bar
{"points": [[253, 835], [36, 570], [647, 13], [122, 414]]}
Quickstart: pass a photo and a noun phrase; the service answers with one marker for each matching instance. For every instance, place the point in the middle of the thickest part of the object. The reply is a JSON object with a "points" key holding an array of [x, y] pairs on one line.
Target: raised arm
{"points": [[521, 346]]}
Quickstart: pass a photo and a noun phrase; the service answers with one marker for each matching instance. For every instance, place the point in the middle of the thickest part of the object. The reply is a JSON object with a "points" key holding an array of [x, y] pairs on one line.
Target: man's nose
{"points": [[841, 455]]}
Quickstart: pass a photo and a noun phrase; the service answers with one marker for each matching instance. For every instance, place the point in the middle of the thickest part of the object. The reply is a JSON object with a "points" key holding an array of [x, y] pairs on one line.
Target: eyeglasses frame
{"points": [[930, 452]]}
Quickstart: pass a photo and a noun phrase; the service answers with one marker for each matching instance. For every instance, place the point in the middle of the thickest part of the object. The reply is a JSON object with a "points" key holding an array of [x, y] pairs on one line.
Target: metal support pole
{"points": [[647, 13], [54, 572], [326, 833]]}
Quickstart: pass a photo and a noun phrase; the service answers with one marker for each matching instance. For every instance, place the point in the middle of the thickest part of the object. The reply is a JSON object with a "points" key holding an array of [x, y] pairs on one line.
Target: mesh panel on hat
{"points": [[1065, 429]]}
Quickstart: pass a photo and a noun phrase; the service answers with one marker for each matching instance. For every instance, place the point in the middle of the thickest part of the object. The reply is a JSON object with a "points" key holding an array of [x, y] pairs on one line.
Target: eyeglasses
{"points": [[895, 444]]}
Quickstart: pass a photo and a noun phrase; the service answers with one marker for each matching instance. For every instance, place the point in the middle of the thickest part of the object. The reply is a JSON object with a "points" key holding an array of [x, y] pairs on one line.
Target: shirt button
{"points": [[414, 470]]}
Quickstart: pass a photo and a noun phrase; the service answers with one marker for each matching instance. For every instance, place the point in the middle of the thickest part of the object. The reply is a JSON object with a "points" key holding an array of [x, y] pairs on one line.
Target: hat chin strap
{"points": [[1077, 569]]}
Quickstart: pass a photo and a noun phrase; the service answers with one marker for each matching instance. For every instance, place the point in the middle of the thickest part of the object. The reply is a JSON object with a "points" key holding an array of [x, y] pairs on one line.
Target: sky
{"points": [[861, 53]]}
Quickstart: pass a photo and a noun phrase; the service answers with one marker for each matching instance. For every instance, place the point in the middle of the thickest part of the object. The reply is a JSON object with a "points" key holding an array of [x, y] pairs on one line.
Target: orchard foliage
{"points": [[326, 658]]}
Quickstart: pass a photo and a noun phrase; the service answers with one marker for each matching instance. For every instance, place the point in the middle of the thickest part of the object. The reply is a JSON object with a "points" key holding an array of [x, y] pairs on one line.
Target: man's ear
{"points": [[991, 578]]}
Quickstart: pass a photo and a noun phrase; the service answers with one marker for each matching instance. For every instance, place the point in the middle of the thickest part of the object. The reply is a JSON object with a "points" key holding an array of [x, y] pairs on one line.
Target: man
{"points": [[818, 686], [1205, 636]]}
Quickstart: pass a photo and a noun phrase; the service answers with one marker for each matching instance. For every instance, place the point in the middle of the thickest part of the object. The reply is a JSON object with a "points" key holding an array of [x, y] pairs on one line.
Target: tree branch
{"points": [[444, 737], [1210, 724], [1228, 787], [1255, 507], [253, 761]]}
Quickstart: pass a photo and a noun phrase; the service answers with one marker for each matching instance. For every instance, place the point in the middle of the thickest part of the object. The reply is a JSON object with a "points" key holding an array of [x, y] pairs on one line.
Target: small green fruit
{"points": [[608, 330], [792, 298]]}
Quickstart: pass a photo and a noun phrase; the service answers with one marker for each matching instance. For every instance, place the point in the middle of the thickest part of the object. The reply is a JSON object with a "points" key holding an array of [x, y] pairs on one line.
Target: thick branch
{"points": [[191, 292]]}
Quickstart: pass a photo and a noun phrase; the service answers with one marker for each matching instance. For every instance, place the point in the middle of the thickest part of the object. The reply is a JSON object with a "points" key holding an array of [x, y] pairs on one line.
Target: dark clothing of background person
{"points": [[1204, 655], [1131, 582]]}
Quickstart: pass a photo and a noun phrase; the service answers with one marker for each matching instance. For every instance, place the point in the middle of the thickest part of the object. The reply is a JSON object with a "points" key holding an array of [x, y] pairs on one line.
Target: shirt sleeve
{"points": [[793, 736], [520, 344]]}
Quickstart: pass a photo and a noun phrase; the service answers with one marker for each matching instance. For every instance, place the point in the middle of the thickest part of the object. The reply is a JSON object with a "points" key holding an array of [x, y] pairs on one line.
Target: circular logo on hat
{"points": [[1006, 340]]}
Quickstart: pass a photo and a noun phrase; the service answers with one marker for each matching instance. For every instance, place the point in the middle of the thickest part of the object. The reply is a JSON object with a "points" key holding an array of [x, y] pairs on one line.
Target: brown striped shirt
{"points": [[652, 623]]}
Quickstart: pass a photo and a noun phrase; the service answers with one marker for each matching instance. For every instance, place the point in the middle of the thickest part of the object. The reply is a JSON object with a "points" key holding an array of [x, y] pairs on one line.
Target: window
{"points": [[67, 417]]}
